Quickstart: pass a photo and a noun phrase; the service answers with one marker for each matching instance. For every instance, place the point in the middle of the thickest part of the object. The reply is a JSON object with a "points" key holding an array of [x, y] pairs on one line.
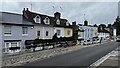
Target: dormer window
{"points": [[47, 20], [37, 19], [58, 22], [67, 23]]}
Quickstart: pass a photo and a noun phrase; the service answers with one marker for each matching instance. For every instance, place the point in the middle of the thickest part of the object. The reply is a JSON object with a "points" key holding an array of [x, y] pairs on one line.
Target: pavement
{"points": [[113, 60], [81, 57]]}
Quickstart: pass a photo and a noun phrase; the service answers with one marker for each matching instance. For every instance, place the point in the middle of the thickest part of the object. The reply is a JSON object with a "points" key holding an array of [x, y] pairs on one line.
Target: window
{"points": [[13, 44], [6, 47], [58, 32], [68, 32], [7, 30], [38, 33], [24, 30], [46, 33], [10, 45], [58, 21], [67, 23], [37, 19], [47, 20]]}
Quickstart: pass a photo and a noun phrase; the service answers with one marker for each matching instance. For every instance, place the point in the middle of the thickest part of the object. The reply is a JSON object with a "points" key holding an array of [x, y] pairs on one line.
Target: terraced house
{"points": [[15, 30], [18, 28], [46, 26]]}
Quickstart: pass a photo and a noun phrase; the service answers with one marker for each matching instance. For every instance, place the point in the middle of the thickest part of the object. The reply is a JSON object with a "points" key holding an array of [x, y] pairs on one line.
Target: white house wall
{"points": [[87, 32], [43, 30]]}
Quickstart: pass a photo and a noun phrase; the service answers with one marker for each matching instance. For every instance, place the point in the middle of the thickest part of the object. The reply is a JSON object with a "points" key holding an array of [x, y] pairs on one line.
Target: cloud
{"points": [[96, 12]]}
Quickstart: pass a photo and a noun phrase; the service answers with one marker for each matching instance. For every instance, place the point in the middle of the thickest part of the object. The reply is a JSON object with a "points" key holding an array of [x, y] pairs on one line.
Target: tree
{"points": [[117, 25]]}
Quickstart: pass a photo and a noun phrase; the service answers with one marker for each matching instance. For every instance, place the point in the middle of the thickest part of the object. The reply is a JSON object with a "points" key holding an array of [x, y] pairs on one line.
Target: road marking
{"points": [[101, 60]]}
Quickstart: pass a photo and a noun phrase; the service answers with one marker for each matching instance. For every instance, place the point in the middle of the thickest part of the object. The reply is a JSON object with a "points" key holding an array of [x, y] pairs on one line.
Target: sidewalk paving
{"points": [[113, 60]]}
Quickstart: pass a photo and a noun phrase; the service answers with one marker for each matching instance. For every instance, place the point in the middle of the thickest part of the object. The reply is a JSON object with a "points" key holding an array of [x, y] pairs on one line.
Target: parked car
{"points": [[118, 38], [87, 42]]}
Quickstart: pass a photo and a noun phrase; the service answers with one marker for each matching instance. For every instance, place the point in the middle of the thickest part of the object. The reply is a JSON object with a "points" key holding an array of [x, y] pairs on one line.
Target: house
{"points": [[90, 32], [103, 34], [46, 26], [15, 30], [80, 36], [95, 33], [42, 24]]}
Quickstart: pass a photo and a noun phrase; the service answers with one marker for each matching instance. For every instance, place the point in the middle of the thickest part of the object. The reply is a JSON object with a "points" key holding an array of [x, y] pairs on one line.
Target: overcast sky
{"points": [[95, 12]]}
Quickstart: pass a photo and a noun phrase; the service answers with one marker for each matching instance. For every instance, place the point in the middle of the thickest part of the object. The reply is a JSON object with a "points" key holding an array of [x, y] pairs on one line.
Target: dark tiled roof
{"points": [[103, 31], [32, 15], [13, 18]]}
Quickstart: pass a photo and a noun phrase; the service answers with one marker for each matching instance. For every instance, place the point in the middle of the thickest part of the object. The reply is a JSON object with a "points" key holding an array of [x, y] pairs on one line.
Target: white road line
{"points": [[101, 60]]}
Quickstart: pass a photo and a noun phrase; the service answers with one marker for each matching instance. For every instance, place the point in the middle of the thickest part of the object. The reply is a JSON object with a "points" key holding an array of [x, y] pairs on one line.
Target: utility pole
{"points": [[31, 6], [84, 17]]}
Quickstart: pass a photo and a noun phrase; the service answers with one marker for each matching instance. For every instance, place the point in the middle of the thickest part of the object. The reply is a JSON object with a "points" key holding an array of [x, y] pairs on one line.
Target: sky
{"points": [[94, 12]]}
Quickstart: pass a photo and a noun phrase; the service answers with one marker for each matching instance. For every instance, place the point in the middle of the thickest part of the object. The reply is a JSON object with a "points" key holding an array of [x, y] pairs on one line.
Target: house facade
{"points": [[89, 33], [42, 24], [68, 32], [46, 26], [15, 30]]}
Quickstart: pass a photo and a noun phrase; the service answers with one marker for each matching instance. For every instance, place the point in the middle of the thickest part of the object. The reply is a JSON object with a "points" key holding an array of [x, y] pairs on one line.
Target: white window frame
{"points": [[26, 31], [68, 32], [10, 29], [10, 45], [58, 22], [35, 19], [67, 23], [47, 19], [58, 34]]}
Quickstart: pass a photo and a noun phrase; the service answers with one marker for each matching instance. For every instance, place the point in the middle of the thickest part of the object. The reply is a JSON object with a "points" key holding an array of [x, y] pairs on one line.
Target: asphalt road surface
{"points": [[82, 57]]}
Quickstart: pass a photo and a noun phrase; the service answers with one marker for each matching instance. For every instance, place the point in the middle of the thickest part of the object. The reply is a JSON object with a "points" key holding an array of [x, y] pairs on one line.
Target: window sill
{"points": [[24, 34], [7, 35]]}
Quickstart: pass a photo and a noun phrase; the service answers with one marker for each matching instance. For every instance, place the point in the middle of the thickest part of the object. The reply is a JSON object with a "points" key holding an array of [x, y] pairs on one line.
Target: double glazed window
{"points": [[47, 20], [24, 30], [7, 30], [68, 32], [46, 33], [37, 19], [12, 47], [58, 32], [38, 33]]}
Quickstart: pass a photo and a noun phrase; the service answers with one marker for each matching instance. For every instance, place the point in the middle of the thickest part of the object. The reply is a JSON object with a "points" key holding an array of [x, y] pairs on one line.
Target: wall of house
{"points": [[61, 29], [95, 31], [80, 35], [103, 35], [88, 32], [66, 32], [17, 35], [0, 44], [43, 30]]}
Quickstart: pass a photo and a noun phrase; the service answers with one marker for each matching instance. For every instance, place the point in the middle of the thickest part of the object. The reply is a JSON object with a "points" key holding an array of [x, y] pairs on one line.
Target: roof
{"points": [[103, 31], [13, 18], [32, 15]]}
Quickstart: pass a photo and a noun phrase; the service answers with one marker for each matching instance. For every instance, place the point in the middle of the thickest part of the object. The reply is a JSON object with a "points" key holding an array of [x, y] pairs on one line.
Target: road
{"points": [[82, 57]]}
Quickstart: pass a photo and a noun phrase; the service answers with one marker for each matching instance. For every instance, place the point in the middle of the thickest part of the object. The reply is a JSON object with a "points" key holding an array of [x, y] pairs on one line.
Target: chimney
{"points": [[27, 9], [85, 23], [74, 23], [23, 11], [57, 15]]}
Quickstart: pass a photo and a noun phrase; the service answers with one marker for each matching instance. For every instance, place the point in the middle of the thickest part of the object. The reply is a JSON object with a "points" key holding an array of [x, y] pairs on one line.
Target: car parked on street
{"points": [[118, 38]]}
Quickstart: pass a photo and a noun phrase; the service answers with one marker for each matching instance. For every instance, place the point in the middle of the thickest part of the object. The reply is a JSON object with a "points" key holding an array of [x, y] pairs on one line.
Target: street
{"points": [[82, 57]]}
